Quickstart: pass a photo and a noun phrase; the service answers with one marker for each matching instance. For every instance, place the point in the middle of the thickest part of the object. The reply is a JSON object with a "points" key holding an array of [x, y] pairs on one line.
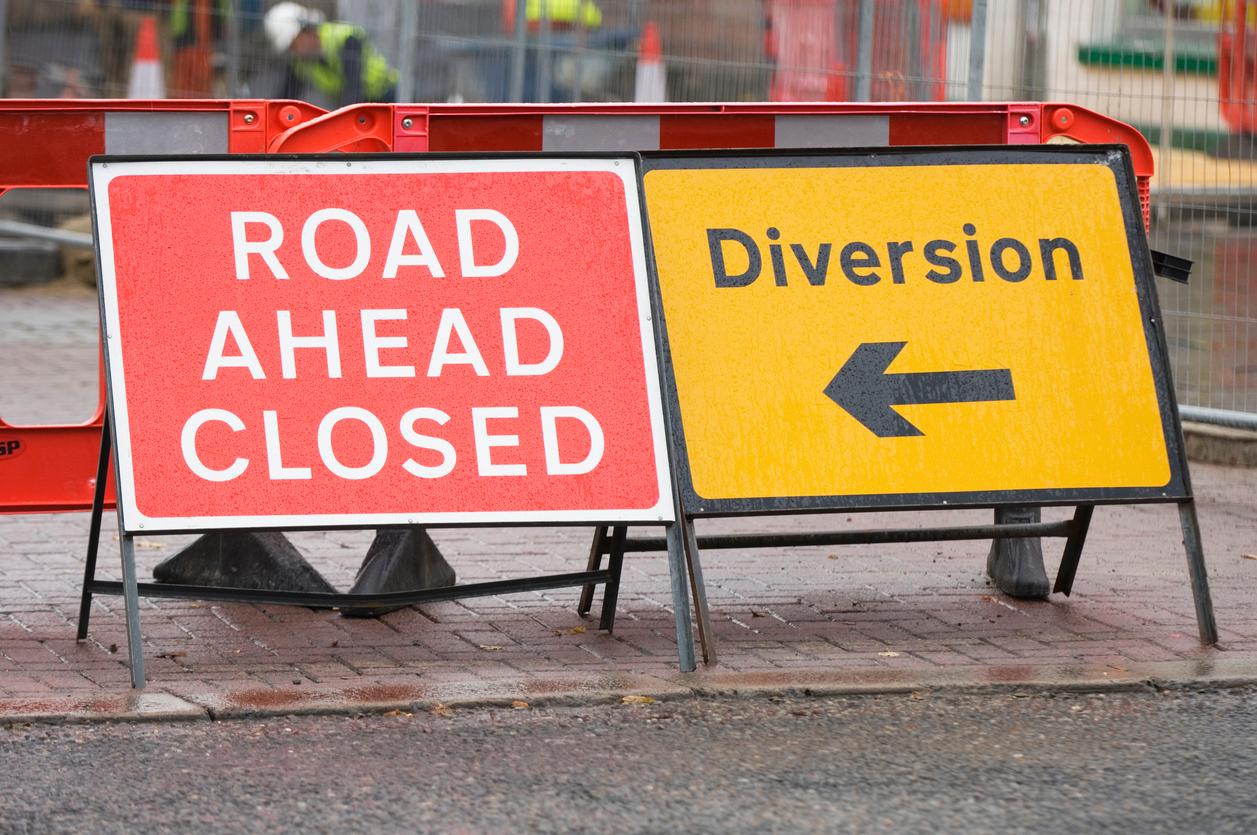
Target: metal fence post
{"points": [[912, 72], [4, 35], [233, 48], [578, 55], [406, 52], [519, 52], [545, 55], [1167, 101], [977, 50], [635, 15], [864, 53]]}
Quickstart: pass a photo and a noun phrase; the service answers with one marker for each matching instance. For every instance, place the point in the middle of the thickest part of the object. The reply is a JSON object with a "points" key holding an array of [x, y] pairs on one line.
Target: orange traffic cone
{"points": [[652, 81], [146, 72]]}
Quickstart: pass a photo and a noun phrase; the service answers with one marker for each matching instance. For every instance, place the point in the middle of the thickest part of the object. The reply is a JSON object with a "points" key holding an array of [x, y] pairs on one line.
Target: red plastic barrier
{"points": [[1237, 69], [46, 143]]}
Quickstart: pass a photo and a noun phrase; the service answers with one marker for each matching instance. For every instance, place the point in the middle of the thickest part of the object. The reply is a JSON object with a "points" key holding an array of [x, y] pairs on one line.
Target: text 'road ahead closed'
{"points": [[417, 342]]}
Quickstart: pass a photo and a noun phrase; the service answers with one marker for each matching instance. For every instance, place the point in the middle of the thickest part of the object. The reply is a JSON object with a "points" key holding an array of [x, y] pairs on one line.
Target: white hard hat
{"points": [[285, 21]]}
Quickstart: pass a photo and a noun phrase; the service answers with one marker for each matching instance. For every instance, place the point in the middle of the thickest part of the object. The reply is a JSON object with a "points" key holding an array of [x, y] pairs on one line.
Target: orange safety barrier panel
{"points": [[46, 143]]}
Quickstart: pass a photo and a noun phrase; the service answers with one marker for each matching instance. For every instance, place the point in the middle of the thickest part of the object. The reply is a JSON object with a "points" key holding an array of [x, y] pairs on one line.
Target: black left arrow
{"points": [[864, 389]]}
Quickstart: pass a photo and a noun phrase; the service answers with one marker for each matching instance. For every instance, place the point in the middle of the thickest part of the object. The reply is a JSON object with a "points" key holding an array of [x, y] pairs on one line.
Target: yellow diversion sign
{"points": [[969, 326]]}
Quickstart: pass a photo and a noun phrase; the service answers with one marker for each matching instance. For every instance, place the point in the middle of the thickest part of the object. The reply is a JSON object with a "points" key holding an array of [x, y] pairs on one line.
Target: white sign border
{"points": [[132, 519]]}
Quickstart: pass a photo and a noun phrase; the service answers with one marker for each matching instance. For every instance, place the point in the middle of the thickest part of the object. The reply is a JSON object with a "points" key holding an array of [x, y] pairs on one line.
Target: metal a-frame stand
{"points": [[132, 590], [1082, 498], [1073, 531]]}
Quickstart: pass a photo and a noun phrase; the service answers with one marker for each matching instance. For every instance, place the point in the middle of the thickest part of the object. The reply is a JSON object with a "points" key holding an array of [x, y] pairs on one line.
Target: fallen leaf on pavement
{"points": [[443, 710], [989, 598], [178, 654], [490, 647], [519, 704], [575, 630], [638, 700], [398, 713], [888, 653]]}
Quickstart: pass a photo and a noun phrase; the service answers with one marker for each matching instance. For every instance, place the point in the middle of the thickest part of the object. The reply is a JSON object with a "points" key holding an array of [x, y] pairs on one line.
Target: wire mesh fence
{"points": [[1184, 72]]}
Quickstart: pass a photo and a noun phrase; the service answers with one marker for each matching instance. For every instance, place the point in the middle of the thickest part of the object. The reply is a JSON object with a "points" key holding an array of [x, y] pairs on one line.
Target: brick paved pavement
{"points": [[907, 615]]}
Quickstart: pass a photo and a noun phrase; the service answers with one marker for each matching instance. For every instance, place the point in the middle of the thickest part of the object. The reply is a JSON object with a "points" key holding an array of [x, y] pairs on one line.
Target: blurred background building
{"points": [[1109, 53], [1184, 72]]}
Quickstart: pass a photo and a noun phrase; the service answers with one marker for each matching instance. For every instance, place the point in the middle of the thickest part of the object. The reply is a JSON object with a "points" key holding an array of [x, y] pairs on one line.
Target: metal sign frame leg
{"points": [[93, 535], [131, 596], [614, 548], [1073, 549], [612, 541], [594, 564], [677, 571], [702, 616], [130, 582], [611, 591], [1192, 544]]}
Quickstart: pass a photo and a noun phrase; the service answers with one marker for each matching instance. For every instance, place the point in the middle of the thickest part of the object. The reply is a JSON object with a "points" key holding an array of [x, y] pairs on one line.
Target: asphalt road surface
{"points": [[1144, 762]]}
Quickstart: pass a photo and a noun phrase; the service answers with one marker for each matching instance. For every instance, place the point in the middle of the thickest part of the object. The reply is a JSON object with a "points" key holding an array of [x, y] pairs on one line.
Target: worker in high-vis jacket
{"points": [[334, 60], [560, 15]]}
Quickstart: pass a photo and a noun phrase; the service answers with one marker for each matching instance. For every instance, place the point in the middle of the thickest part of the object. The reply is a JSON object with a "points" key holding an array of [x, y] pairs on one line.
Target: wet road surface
{"points": [[1142, 762]]}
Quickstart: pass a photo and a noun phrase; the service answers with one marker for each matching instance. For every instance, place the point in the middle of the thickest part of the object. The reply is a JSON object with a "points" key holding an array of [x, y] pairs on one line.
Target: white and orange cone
{"points": [[146, 71], [652, 79]]}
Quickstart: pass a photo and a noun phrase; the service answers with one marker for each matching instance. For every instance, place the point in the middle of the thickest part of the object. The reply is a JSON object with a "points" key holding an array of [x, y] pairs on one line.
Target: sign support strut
{"points": [[593, 564], [680, 596], [93, 535], [1198, 573], [706, 639], [1073, 549], [131, 596], [615, 564]]}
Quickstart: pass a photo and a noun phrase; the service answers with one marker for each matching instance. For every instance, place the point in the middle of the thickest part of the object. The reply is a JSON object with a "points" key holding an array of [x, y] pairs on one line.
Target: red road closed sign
{"points": [[321, 342]]}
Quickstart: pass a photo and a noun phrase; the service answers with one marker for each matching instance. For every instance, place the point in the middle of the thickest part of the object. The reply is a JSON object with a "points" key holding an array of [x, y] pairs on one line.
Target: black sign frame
{"points": [[1115, 157]]}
